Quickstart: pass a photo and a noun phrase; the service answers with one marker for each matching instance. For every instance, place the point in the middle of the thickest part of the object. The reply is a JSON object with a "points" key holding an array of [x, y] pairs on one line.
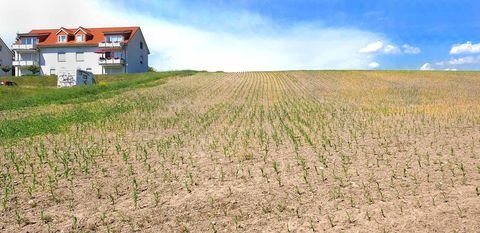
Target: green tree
{"points": [[34, 69], [6, 69], [151, 69]]}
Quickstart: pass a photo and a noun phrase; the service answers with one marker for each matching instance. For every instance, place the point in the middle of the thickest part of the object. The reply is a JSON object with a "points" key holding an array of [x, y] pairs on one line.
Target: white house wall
{"points": [[5, 58], [49, 59], [134, 52]]}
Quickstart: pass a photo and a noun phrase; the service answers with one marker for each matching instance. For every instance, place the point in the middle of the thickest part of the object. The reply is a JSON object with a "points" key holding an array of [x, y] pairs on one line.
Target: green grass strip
{"points": [[21, 97], [55, 123]]}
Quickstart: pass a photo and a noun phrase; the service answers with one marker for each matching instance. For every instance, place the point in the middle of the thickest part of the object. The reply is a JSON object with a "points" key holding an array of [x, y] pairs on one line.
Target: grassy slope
{"points": [[40, 91], [37, 91]]}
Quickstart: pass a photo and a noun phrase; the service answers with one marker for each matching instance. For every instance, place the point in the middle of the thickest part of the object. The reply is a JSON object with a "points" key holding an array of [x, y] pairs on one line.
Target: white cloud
{"points": [[380, 47], [391, 49], [465, 48], [459, 63], [373, 65], [298, 48], [454, 64], [408, 49], [427, 66], [176, 45], [372, 48], [464, 60]]}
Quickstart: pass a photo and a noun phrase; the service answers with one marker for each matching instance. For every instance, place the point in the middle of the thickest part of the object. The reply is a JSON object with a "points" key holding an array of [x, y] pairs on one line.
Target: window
{"points": [[114, 54], [62, 38], [29, 40], [118, 54], [53, 71], [80, 38], [62, 57], [79, 56], [26, 57], [0, 48], [113, 70], [141, 59], [141, 45], [114, 38]]}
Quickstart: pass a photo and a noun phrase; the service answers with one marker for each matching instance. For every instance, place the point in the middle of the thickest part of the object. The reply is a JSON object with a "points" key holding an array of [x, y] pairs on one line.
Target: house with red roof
{"points": [[113, 50]]}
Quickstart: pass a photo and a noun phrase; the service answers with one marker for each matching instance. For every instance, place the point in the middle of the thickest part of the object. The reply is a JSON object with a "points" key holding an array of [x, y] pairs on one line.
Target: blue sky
{"points": [[292, 34]]}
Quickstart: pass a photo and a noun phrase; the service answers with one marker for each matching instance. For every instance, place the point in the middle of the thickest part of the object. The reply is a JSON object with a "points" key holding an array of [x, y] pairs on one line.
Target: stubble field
{"points": [[300, 151]]}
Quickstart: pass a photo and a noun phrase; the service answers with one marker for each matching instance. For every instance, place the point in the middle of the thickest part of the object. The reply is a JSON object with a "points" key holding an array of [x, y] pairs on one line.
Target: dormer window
{"points": [[80, 38], [29, 40], [113, 38], [62, 38]]}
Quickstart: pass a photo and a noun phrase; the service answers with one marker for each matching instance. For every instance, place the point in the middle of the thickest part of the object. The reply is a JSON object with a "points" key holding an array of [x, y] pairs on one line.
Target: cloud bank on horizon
{"points": [[455, 62], [256, 35]]}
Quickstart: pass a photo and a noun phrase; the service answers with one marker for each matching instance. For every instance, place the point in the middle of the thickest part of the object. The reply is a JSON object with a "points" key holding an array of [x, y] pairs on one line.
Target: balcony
{"points": [[118, 44], [111, 61], [24, 47], [25, 63]]}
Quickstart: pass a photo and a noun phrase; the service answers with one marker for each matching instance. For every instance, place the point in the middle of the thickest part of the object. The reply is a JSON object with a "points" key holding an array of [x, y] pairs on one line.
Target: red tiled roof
{"points": [[68, 31], [48, 37], [84, 29]]}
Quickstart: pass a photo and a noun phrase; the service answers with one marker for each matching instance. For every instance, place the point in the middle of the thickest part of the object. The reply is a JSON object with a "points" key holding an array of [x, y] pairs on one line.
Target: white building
{"points": [[98, 50], [6, 56]]}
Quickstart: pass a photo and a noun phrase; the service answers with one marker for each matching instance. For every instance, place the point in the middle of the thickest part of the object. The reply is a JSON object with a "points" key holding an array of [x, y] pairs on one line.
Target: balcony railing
{"points": [[111, 61], [24, 46], [118, 44], [25, 63]]}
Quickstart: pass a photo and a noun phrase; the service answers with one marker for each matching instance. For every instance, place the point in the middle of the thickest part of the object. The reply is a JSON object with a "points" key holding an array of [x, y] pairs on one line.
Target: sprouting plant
{"points": [[297, 190], [367, 214], [187, 186], [185, 229], [112, 198], [380, 191], [236, 220], [6, 192], [45, 218], [461, 212], [277, 171], [305, 168], [213, 224], [464, 174], [222, 174], [98, 192], [312, 226], [74, 223], [135, 193], [383, 212], [18, 217], [331, 220], [156, 195], [349, 217], [352, 201], [275, 167]]}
